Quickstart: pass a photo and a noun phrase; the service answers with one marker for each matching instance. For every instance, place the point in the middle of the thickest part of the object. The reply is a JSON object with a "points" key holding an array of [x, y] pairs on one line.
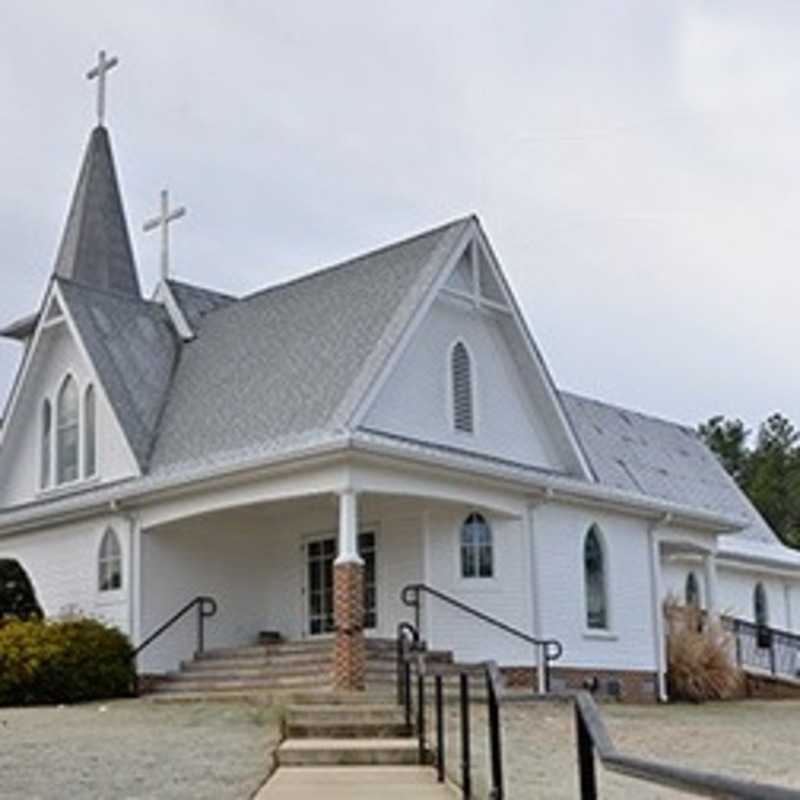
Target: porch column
{"points": [[710, 569], [348, 600]]}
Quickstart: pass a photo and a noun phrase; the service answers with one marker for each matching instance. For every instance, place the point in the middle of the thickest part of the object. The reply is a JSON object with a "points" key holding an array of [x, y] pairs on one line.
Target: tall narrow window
{"points": [[692, 591], [477, 556], [67, 425], [89, 425], [109, 563], [594, 570], [46, 445], [760, 609], [461, 378]]}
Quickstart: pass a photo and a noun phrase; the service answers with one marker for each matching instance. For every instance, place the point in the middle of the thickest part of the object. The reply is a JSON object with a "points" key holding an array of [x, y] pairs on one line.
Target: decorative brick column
{"points": [[350, 654], [348, 613]]}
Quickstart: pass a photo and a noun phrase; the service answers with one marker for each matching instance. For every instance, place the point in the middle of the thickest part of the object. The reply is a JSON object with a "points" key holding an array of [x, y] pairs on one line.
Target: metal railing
{"points": [[592, 739], [764, 648], [206, 607], [547, 650], [413, 661]]}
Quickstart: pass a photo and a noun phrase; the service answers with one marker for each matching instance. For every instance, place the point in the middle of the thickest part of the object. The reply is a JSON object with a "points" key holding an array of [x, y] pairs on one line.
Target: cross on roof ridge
{"points": [[162, 221], [99, 71]]}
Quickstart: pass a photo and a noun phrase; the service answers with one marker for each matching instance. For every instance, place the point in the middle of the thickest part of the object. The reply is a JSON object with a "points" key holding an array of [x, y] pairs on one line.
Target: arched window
{"points": [[760, 608], [67, 425], [46, 444], [109, 563], [477, 556], [692, 591], [594, 571], [89, 425], [461, 379]]}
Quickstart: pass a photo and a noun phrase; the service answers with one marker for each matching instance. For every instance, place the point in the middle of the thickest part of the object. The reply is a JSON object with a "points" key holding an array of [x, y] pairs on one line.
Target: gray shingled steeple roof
{"points": [[95, 248]]}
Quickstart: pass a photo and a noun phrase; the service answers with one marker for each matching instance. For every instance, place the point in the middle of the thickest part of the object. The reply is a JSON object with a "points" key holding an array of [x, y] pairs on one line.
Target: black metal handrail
{"points": [[206, 607], [763, 647], [411, 596], [412, 655], [592, 738]]}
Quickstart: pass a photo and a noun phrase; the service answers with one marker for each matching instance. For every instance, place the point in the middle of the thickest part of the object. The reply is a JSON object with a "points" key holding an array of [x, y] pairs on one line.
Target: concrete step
{"points": [[347, 730], [310, 660], [267, 650], [225, 670], [283, 696], [386, 713], [183, 683], [347, 752]]}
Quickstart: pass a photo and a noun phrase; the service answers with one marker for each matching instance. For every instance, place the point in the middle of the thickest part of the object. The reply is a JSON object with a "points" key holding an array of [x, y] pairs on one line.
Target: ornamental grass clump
{"points": [[699, 662], [63, 661]]}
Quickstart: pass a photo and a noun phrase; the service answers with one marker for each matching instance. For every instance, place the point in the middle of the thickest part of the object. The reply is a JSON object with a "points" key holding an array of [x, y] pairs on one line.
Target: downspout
{"points": [[655, 604], [536, 594]]}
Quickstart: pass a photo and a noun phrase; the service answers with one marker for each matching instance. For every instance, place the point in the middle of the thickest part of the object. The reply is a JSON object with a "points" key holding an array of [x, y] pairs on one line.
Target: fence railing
{"points": [[413, 664], [547, 650], [764, 648], [592, 740]]}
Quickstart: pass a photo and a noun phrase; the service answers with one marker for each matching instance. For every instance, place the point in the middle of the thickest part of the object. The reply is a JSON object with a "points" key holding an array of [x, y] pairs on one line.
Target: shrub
{"points": [[65, 661], [17, 597], [699, 662]]}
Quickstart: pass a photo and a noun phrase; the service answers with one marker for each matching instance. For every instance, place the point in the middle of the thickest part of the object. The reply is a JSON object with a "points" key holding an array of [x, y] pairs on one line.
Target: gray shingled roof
{"points": [[289, 360], [95, 248], [631, 451], [134, 350], [195, 301]]}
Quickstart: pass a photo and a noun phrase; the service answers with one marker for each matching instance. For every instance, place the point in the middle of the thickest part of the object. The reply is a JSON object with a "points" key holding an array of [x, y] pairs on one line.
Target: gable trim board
{"points": [[54, 294], [473, 236]]}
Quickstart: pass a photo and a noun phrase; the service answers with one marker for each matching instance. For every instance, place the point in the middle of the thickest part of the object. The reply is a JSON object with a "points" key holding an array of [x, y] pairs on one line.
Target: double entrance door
{"points": [[320, 555]]}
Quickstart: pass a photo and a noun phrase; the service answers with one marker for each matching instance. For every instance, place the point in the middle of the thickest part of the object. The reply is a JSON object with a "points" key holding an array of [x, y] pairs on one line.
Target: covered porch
{"points": [[320, 566]]}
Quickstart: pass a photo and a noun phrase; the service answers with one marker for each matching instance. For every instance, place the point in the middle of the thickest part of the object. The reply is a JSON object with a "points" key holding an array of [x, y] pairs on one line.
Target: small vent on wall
{"points": [[462, 389]]}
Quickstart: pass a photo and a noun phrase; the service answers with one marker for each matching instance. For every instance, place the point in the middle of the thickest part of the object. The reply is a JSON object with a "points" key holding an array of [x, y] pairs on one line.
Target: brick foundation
{"points": [[629, 686], [350, 656]]}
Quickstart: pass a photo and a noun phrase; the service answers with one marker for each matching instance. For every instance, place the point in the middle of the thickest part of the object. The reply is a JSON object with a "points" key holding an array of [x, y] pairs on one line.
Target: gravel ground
{"points": [[753, 740], [134, 750]]}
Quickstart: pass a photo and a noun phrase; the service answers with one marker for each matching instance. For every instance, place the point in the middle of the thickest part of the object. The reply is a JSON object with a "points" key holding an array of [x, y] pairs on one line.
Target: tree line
{"points": [[766, 467]]}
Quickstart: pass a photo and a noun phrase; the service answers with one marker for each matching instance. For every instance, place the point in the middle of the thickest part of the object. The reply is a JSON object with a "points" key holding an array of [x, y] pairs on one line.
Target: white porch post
{"points": [[348, 529], [710, 569]]}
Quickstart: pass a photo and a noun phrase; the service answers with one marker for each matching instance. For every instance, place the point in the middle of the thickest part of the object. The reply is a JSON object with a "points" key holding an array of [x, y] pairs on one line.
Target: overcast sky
{"points": [[633, 163]]}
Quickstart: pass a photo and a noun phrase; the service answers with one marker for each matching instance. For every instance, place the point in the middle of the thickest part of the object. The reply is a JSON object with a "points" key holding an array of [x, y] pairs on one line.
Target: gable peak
{"points": [[95, 247]]}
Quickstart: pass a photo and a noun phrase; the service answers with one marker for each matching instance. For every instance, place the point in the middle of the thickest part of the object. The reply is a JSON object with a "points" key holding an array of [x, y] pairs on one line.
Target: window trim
{"points": [[691, 577], [451, 389], [89, 392], [760, 590], [110, 534], [477, 578], [69, 376], [46, 445], [607, 631]]}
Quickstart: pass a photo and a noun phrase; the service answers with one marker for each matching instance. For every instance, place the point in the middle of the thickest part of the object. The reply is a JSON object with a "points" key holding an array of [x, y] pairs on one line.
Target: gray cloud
{"points": [[634, 164]]}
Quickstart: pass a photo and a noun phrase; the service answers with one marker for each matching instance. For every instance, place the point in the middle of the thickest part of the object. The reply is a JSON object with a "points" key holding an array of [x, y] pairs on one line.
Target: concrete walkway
{"points": [[355, 783]]}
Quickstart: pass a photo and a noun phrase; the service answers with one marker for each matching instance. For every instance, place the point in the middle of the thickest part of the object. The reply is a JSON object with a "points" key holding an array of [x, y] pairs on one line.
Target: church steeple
{"points": [[95, 247]]}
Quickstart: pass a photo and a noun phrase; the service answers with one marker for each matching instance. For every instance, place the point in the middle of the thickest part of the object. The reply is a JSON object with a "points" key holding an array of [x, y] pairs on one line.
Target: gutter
{"points": [[542, 485]]}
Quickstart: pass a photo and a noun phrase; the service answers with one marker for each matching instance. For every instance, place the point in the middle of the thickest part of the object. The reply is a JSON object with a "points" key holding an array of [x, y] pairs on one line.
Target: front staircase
{"points": [[282, 671]]}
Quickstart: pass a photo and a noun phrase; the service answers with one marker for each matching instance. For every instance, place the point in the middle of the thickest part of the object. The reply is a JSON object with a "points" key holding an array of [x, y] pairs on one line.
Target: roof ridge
{"points": [[624, 409], [356, 258]]}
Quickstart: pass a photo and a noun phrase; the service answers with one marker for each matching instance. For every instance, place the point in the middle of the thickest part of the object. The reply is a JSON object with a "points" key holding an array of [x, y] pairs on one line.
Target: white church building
{"points": [[303, 453]]}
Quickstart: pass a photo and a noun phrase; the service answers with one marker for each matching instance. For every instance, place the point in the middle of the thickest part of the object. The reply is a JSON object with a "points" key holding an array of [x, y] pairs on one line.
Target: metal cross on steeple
{"points": [[162, 221], [104, 65]]}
